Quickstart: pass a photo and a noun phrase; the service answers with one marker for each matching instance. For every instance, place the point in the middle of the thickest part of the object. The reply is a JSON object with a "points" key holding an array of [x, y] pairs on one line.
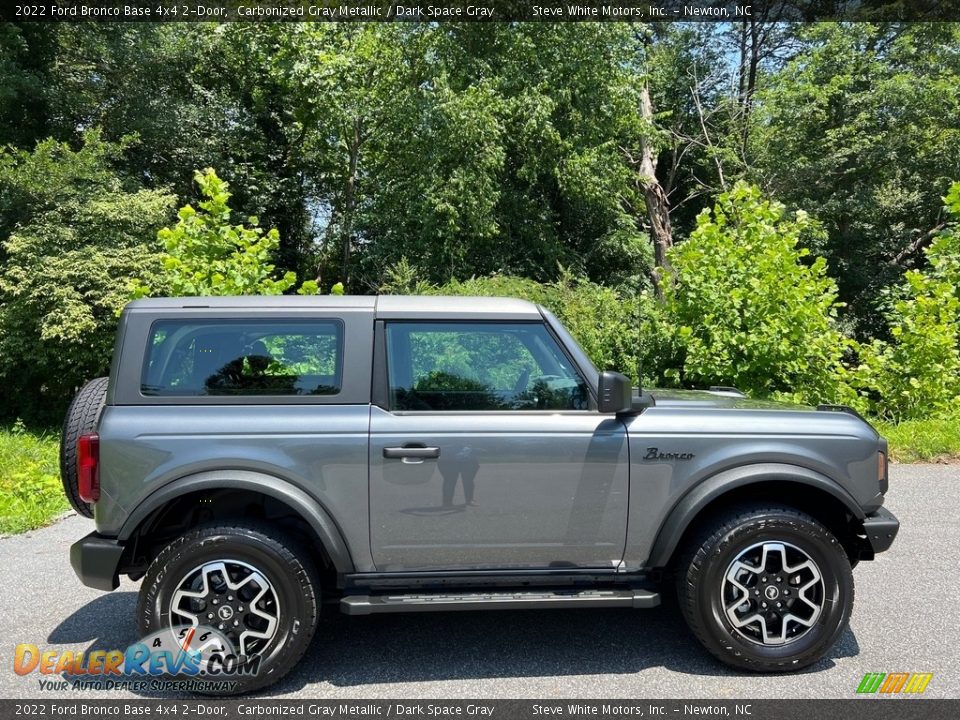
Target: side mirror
{"points": [[615, 393]]}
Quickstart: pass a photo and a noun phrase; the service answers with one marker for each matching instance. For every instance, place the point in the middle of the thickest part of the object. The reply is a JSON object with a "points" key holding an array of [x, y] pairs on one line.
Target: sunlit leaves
{"points": [[751, 308], [206, 254], [917, 372]]}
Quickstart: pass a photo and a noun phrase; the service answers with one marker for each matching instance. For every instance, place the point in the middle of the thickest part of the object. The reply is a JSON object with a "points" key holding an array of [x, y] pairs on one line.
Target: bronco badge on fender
{"points": [[655, 454]]}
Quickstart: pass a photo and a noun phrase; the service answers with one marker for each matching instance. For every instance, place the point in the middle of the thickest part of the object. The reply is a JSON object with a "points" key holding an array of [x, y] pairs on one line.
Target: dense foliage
{"points": [[78, 233], [861, 130], [748, 311], [802, 173], [917, 373]]}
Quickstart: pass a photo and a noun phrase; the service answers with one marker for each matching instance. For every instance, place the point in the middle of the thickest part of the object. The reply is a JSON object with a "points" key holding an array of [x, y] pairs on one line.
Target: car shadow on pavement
{"points": [[352, 652], [412, 648], [107, 623]]}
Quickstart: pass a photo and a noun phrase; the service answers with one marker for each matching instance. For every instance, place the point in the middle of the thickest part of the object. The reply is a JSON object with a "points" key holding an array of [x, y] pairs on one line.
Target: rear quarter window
{"points": [[199, 358]]}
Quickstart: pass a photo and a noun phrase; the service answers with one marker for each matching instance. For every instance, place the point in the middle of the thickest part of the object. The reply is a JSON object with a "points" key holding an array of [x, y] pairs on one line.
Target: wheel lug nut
{"points": [[229, 597], [779, 579], [236, 622], [764, 604], [221, 626], [761, 580], [210, 616], [779, 604], [216, 602]]}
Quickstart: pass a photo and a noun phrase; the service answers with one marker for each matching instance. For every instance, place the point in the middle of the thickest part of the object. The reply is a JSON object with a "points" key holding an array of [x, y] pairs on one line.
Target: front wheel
{"points": [[766, 588], [251, 586]]}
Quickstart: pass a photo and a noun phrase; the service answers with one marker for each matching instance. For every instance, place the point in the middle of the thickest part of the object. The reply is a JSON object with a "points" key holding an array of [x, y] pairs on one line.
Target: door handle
{"points": [[419, 451]]}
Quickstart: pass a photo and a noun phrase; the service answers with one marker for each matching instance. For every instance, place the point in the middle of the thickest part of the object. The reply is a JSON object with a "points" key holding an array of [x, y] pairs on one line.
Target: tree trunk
{"points": [[349, 201], [751, 46], [658, 206], [742, 74]]}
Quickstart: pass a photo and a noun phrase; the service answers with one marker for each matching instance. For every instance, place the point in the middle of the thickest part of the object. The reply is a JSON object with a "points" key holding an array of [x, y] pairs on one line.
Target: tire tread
{"points": [[81, 418], [691, 566], [291, 553]]}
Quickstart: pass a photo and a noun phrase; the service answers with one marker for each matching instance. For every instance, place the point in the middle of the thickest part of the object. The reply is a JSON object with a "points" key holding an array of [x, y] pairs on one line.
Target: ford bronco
{"points": [[255, 458]]}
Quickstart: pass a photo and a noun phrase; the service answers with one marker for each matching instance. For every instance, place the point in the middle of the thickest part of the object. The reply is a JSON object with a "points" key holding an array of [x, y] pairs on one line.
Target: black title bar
{"points": [[482, 11], [252, 708]]}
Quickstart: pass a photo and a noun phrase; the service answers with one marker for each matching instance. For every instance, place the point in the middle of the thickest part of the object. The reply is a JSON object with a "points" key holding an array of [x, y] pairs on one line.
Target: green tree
{"points": [[81, 234], [860, 128], [475, 150], [27, 52], [750, 309], [344, 84], [168, 84], [207, 255]]}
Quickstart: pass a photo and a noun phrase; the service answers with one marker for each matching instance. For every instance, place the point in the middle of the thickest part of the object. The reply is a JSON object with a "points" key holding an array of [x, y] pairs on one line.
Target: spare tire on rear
{"points": [[82, 417]]}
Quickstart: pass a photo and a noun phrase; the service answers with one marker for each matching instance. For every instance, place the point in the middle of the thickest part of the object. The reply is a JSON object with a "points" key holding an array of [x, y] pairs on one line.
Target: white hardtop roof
{"points": [[387, 306]]}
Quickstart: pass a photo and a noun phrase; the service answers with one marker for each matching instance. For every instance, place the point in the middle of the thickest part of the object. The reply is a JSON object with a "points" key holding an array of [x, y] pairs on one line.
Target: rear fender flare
{"points": [[298, 500]]}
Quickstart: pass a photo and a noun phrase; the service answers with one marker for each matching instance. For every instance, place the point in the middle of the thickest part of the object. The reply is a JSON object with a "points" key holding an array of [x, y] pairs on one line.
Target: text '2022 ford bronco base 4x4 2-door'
{"points": [[254, 458]]}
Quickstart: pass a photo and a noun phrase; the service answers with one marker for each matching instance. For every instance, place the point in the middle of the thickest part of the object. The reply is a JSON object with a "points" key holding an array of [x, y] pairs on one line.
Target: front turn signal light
{"points": [[883, 471]]}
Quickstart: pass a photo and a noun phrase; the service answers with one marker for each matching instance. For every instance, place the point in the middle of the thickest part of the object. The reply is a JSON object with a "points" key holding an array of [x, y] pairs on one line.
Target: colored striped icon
{"points": [[894, 683]]}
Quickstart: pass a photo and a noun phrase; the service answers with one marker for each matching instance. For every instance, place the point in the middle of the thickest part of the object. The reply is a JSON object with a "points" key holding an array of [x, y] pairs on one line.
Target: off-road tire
{"points": [[700, 574], [284, 562], [81, 418]]}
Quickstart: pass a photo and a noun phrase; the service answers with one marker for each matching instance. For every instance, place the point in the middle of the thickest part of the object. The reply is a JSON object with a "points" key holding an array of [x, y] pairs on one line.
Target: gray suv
{"points": [[255, 458]]}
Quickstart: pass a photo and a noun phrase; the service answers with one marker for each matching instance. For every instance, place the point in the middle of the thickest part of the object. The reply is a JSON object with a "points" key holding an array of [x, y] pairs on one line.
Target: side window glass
{"points": [[224, 357], [479, 366]]}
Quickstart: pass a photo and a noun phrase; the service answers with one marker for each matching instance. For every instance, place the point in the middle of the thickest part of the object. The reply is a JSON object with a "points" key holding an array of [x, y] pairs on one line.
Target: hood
{"points": [[730, 399]]}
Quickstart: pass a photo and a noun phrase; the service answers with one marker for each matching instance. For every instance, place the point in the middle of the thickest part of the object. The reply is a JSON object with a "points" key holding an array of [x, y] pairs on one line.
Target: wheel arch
{"points": [[800, 487], [321, 524]]}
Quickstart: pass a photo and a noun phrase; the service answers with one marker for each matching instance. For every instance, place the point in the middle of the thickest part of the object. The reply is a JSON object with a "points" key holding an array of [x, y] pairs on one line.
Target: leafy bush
{"points": [[749, 309], [917, 373], [207, 255], [78, 233]]}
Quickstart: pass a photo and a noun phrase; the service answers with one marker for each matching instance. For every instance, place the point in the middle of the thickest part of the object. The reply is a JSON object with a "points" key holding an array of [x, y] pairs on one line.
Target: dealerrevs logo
{"points": [[894, 683], [175, 655]]}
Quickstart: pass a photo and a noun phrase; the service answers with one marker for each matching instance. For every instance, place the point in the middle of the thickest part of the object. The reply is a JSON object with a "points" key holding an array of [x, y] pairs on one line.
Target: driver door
{"points": [[487, 456]]}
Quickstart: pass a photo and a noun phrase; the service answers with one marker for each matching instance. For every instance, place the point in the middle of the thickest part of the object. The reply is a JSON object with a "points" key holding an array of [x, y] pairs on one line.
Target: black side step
{"points": [[433, 602]]}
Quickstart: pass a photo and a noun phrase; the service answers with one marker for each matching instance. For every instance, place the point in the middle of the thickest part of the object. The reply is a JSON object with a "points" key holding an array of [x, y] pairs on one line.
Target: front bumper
{"points": [[881, 528], [95, 560]]}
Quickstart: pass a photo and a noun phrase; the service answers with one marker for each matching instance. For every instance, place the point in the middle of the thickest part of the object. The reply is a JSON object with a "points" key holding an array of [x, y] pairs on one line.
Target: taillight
{"points": [[88, 467]]}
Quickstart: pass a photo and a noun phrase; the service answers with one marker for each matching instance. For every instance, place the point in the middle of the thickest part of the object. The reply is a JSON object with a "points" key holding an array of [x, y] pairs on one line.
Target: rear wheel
{"points": [[255, 587], [766, 588], [81, 418]]}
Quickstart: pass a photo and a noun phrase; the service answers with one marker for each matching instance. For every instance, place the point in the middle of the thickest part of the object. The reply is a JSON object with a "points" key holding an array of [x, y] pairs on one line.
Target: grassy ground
{"points": [[923, 440], [30, 491], [31, 495]]}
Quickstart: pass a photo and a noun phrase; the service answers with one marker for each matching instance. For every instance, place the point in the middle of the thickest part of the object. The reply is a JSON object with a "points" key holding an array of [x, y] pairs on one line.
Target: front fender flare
{"points": [[686, 509], [306, 506]]}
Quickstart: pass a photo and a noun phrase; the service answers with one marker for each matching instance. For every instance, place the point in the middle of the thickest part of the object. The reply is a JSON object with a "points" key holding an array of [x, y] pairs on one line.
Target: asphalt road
{"points": [[906, 618]]}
